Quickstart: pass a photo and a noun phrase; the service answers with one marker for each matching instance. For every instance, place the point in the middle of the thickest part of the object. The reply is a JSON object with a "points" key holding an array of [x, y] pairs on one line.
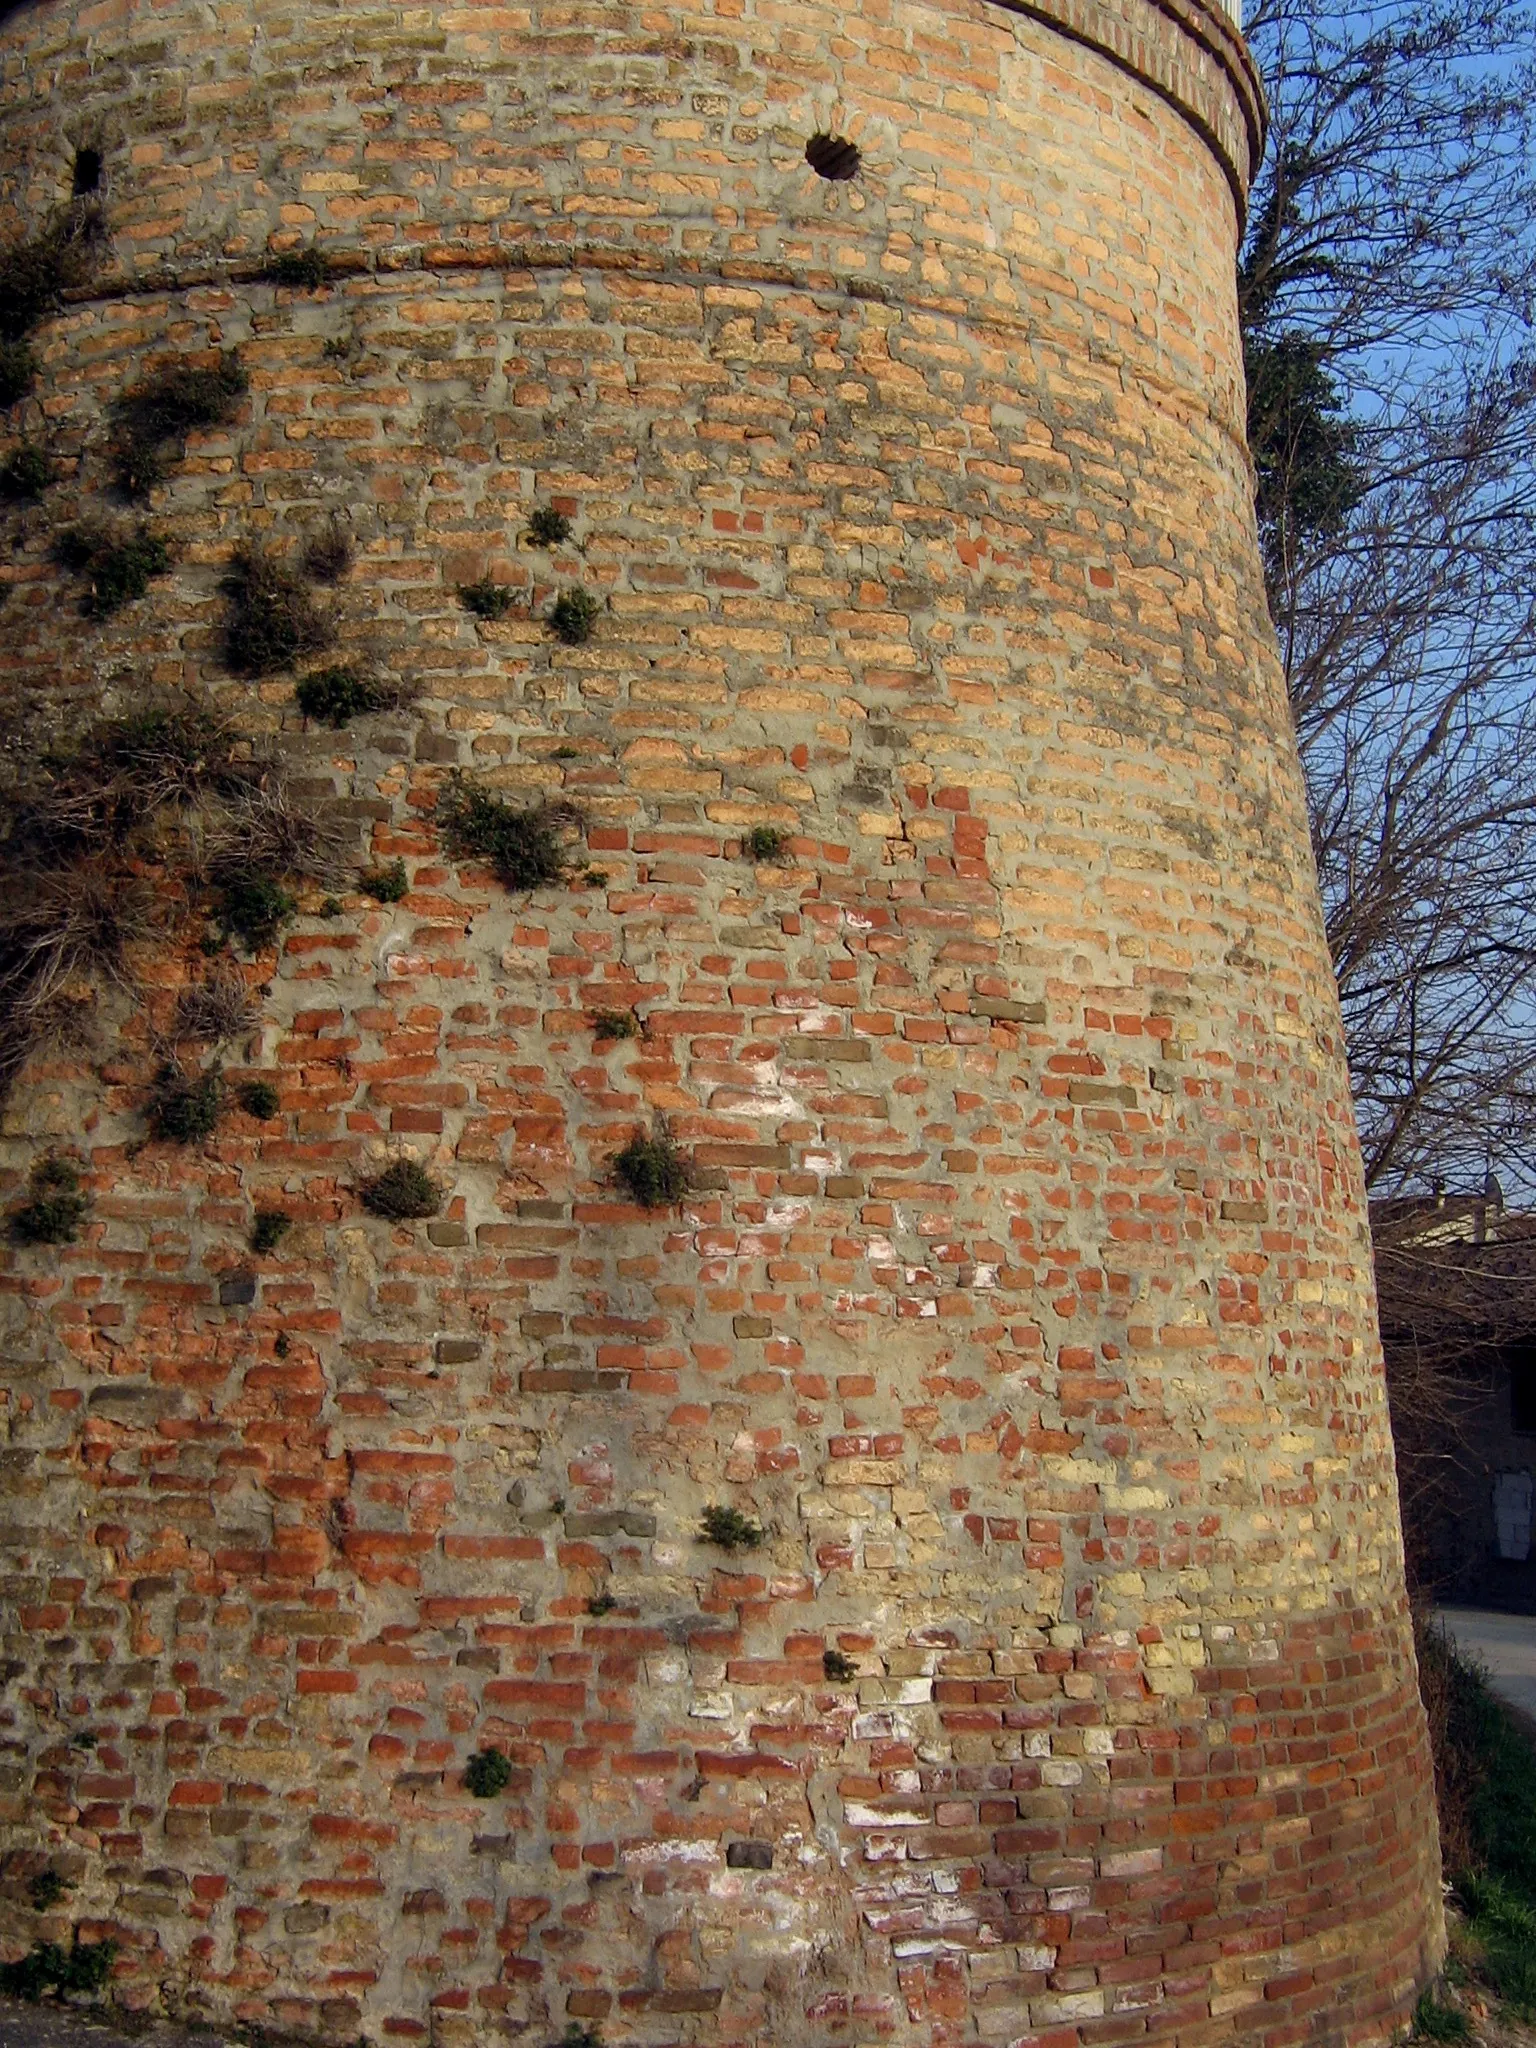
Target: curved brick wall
{"points": [[1025, 1295]]}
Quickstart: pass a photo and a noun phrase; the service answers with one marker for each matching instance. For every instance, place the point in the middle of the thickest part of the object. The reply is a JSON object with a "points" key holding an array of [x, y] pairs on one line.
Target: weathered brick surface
{"points": [[1025, 1294]]}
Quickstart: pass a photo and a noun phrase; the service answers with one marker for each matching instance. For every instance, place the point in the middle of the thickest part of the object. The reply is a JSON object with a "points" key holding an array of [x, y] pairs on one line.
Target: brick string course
{"points": [[1024, 1294]]}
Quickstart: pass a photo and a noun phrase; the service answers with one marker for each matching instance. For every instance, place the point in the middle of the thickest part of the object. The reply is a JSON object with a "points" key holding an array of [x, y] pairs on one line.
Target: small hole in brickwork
{"points": [[87, 172], [833, 156]]}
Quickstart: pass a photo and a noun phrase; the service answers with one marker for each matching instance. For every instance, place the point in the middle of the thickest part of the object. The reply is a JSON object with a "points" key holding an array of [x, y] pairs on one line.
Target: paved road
{"points": [[1505, 1644]]}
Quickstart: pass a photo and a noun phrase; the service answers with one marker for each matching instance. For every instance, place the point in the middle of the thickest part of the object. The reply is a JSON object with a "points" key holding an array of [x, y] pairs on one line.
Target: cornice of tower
{"points": [[1191, 53]]}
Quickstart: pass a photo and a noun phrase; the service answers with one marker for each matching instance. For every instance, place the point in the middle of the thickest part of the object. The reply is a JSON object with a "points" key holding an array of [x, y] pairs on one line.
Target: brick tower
{"points": [[939, 843]]}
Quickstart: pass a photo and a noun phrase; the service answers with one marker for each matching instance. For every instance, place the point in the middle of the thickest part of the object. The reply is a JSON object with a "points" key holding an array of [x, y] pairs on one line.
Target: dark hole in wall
{"points": [[833, 156], [87, 172], [1520, 1362]]}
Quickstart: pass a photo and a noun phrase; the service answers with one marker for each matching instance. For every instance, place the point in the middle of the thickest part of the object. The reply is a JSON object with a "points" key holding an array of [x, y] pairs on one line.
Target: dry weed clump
{"points": [[329, 555], [526, 848], [152, 422], [333, 696], [36, 272], [18, 366], [299, 270], [217, 1008], [26, 473], [652, 1169], [117, 563], [403, 1192], [55, 1207], [273, 621], [106, 843]]}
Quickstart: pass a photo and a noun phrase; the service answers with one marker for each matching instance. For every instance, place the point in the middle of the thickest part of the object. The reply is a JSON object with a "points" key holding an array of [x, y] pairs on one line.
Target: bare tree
{"points": [[1456, 1282], [1388, 285]]}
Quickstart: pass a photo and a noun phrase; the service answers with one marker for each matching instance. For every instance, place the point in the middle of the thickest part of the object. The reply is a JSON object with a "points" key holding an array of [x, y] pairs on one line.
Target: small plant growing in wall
{"points": [[573, 616], [840, 1670], [611, 1025], [547, 527], [260, 1100], [331, 696], [300, 270], [116, 564], [84, 1966], [253, 906], [601, 1604], [729, 1529], [652, 1170], [487, 1773], [184, 1109], [764, 843], [487, 600], [46, 1890], [153, 421], [269, 1229], [55, 1207], [18, 366], [524, 847], [26, 473], [387, 884], [403, 1192], [272, 620], [578, 2036]]}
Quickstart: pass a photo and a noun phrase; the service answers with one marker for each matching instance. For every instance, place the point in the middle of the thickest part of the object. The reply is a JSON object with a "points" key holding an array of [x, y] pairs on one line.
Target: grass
{"points": [[573, 616], [26, 473], [840, 1670], [652, 1170], [601, 1604], [152, 422], [272, 621], [402, 1192], [523, 846], [55, 1206], [118, 565], [1485, 1787], [487, 600], [487, 1773], [729, 1529], [1433, 2021]]}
